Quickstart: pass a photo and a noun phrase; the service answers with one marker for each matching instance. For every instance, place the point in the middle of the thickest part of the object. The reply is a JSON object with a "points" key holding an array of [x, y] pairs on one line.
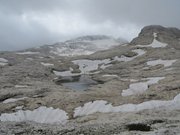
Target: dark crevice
{"points": [[138, 127]]}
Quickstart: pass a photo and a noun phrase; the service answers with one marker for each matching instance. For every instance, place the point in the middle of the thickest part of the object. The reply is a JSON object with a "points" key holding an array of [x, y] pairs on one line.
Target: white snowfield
{"points": [[155, 43], [11, 100], [102, 106], [131, 80], [47, 64], [19, 107], [166, 63], [104, 66], [39, 115], [108, 75], [3, 62], [27, 53], [21, 86], [86, 66], [70, 52], [84, 47], [123, 58], [65, 73], [140, 87]]}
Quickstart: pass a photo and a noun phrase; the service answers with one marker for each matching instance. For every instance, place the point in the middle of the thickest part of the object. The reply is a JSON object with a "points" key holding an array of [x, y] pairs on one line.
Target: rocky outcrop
{"points": [[167, 35]]}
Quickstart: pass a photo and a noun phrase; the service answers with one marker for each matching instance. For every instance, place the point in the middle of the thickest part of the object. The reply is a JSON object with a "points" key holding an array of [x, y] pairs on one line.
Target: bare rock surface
{"points": [[28, 82]]}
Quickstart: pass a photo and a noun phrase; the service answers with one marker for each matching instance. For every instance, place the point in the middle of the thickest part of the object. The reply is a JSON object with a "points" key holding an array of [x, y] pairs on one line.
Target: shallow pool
{"points": [[81, 82]]}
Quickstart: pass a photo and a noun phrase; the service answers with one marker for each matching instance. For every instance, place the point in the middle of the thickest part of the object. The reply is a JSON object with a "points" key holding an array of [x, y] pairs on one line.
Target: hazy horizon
{"points": [[26, 24]]}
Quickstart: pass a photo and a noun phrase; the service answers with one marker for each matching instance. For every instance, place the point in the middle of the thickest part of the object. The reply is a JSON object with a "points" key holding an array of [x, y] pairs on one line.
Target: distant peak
{"points": [[162, 33], [160, 29], [91, 38]]}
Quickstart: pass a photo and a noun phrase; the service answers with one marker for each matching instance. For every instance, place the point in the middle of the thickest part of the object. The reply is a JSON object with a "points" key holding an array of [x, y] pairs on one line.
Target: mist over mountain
{"points": [[89, 67], [25, 24]]}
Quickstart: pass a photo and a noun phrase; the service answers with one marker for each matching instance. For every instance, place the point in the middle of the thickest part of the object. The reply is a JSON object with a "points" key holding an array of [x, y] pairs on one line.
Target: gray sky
{"points": [[30, 23]]}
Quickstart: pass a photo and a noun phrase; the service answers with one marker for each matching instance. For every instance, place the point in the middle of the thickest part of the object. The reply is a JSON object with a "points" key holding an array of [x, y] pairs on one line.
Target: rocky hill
{"points": [[84, 45], [127, 89]]}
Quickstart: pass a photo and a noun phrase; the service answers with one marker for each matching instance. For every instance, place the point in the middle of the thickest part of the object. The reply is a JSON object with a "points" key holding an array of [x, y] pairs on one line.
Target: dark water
{"points": [[82, 82]]}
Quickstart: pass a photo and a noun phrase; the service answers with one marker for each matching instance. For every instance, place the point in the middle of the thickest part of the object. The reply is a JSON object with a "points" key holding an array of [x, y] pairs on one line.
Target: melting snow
{"points": [[155, 43], [20, 86], [29, 52], [140, 87], [11, 100], [103, 106], [104, 66], [123, 58], [87, 66], [166, 63], [19, 107], [70, 52], [65, 73], [3, 62], [131, 80], [47, 64], [85, 47], [39, 115], [110, 75]]}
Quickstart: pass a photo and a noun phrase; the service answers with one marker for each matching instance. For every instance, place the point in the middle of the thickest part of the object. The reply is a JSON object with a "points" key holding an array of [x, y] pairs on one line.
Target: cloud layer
{"points": [[32, 23]]}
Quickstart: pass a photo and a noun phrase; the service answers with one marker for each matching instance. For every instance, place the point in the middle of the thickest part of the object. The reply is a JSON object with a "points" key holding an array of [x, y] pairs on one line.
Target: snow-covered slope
{"points": [[85, 45]]}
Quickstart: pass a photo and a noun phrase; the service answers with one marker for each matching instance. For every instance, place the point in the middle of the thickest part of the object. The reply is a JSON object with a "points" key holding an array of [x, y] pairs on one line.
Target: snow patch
{"points": [[20, 86], [123, 58], [47, 64], [39, 115], [102, 106], [104, 66], [166, 63], [65, 73], [27, 53], [83, 47], [87, 66], [131, 80], [140, 87], [70, 52], [11, 100], [3, 62], [155, 43], [110, 75], [19, 107]]}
